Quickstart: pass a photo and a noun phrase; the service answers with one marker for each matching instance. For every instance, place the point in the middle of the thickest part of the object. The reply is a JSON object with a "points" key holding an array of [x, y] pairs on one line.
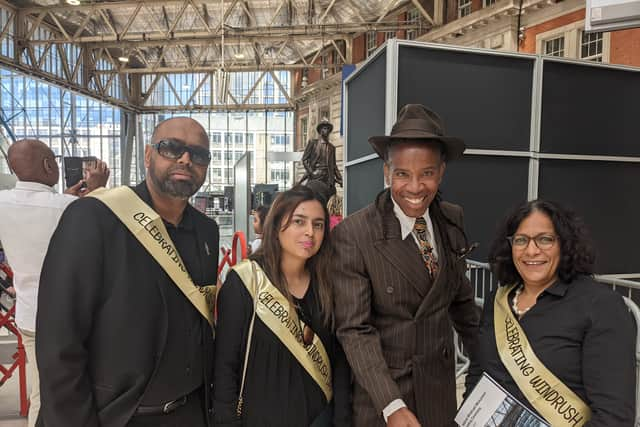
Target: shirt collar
{"points": [[559, 288], [406, 222], [34, 186]]}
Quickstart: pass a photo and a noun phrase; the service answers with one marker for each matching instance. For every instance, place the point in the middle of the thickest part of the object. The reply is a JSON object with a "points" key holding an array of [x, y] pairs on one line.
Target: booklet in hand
{"points": [[489, 405]]}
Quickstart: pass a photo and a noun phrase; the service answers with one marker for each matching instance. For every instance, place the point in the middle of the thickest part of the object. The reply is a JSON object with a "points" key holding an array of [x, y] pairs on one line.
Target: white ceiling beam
{"points": [[277, 12], [385, 11], [284, 91], [324, 15], [231, 36], [423, 12], [130, 20]]}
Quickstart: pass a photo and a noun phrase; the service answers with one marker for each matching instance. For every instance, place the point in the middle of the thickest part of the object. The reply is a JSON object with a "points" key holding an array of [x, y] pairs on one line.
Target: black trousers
{"points": [[191, 414]]}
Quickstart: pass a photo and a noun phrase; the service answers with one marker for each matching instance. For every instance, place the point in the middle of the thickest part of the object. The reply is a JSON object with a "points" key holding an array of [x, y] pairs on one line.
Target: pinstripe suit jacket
{"points": [[393, 321]]}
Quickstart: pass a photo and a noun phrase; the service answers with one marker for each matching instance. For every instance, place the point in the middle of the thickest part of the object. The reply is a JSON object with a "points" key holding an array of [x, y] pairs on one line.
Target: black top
{"points": [[278, 391], [181, 365], [584, 334]]}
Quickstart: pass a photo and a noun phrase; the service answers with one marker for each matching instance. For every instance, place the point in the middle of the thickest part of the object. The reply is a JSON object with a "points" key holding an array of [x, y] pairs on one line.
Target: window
{"points": [[413, 18], [217, 173], [216, 138], [554, 47], [279, 139], [279, 175], [228, 155], [487, 3], [591, 46], [304, 133], [371, 43], [216, 156], [249, 140], [571, 41], [239, 154], [238, 138], [324, 61], [389, 35], [324, 114], [464, 8]]}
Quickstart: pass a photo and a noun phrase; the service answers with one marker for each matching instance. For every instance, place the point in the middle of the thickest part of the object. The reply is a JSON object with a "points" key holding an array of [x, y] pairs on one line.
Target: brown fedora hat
{"points": [[417, 123]]}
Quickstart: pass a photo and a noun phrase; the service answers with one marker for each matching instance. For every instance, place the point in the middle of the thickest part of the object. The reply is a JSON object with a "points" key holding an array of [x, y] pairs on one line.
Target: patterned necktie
{"points": [[426, 249]]}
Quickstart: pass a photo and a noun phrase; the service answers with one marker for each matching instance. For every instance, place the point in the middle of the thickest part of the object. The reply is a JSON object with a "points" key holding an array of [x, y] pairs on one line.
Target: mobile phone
{"points": [[77, 168]]}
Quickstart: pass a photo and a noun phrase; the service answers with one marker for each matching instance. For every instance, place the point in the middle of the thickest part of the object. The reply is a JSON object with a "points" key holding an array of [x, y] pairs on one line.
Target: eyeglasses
{"points": [[173, 149], [542, 241]]}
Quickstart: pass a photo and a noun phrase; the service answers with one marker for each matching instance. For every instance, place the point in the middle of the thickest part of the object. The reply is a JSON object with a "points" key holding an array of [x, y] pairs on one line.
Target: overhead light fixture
{"points": [[124, 59], [73, 2], [186, 86], [238, 55]]}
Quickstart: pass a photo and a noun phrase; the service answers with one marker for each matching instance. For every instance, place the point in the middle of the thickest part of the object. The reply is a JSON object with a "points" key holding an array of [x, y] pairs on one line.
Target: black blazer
{"points": [[102, 317]]}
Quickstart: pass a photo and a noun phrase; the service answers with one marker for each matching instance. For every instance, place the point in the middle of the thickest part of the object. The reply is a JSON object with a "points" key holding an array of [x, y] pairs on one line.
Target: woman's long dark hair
{"points": [[269, 254], [577, 255]]}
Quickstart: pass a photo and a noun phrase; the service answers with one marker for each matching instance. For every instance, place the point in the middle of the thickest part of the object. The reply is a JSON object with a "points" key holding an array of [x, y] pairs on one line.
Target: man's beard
{"points": [[179, 189]]}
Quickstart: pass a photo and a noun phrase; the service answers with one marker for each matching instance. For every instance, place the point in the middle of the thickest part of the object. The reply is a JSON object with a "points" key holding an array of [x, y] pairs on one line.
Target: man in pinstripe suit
{"points": [[400, 282]]}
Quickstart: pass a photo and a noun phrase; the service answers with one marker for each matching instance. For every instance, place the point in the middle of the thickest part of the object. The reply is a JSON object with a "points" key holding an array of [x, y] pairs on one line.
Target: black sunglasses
{"points": [[172, 149]]}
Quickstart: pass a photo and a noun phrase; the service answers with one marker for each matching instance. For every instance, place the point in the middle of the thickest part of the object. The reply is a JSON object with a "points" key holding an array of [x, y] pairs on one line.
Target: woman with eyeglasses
{"points": [[277, 360], [558, 341]]}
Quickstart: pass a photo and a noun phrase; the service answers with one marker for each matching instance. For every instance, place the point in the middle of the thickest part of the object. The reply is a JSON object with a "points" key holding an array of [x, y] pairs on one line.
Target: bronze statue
{"points": [[319, 161]]}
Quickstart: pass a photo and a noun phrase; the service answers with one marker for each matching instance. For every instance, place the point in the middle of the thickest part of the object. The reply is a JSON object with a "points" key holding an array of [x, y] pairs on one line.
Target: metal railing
{"points": [[483, 281]]}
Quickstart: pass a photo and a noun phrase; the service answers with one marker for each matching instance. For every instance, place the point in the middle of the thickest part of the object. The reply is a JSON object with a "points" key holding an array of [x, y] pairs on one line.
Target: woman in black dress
{"points": [[293, 319]]}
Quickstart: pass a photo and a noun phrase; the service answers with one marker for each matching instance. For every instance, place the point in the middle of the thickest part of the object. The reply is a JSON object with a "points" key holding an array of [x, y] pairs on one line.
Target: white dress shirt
{"points": [[406, 227], [29, 214], [407, 223]]}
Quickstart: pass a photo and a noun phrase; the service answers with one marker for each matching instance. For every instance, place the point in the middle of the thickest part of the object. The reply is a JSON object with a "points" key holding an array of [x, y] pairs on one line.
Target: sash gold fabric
{"points": [[275, 311], [147, 226], [557, 404]]}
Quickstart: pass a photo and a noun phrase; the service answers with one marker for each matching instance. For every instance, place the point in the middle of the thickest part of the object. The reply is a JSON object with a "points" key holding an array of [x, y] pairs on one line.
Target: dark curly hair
{"points": [[577, 255]]}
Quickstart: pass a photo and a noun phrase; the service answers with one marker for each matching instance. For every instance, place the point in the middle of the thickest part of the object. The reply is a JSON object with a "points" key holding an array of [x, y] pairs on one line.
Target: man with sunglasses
{"points": [[126, 326], [29, 214]]}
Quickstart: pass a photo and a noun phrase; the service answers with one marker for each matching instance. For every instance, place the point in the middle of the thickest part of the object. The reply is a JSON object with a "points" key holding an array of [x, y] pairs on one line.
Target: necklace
{"points": [[519, 312]]}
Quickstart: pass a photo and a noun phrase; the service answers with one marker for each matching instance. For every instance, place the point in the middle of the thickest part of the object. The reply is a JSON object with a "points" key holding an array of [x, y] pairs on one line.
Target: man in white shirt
{"points": [[399, 282], [29, 214]]}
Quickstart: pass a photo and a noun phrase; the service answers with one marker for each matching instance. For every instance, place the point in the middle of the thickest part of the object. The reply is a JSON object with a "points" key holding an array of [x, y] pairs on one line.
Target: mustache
{"points": [[181, 168]]}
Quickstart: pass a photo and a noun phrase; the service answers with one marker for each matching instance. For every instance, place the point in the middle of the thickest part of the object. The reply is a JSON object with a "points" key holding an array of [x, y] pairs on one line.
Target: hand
{"points": [[75, 189], [97, 176], [403, 417]]}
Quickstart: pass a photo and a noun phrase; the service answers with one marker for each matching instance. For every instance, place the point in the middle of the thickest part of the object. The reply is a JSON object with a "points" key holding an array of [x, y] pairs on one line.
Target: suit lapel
{"points": [[402, 254]]}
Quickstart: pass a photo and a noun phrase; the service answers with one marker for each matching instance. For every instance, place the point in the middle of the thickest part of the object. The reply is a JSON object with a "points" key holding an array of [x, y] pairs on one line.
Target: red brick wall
{"points": [[529, 43], [625, 47], [451, 11], [476, 5], [359, 48]]}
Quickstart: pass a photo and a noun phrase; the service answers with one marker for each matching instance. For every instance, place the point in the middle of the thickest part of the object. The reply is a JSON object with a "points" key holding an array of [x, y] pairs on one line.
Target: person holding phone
{"points": [[29, 214]]}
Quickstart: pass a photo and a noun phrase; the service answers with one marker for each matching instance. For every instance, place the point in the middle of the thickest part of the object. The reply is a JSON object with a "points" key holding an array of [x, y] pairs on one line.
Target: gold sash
{"points": [[274, 310], [147, 226], [557, 404]]}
